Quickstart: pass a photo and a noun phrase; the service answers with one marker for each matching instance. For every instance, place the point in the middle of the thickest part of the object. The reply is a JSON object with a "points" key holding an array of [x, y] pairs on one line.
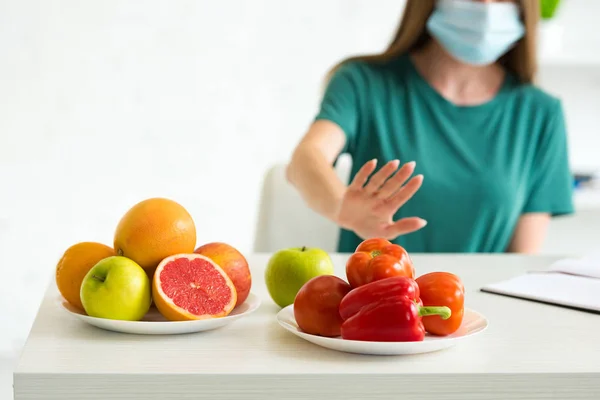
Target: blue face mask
{"points": [[474, 32]]}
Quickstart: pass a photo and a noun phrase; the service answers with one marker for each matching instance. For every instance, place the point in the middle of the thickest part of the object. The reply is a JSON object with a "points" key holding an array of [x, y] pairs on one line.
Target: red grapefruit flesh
{"points": [[191, 287]]}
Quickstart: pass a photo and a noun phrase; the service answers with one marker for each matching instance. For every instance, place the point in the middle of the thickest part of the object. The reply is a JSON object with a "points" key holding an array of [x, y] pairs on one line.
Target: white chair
{"points": [[284, 219]]}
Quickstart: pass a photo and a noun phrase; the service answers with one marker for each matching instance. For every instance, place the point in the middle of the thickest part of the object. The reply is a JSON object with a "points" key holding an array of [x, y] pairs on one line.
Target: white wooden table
{"points": [[529, 351]]}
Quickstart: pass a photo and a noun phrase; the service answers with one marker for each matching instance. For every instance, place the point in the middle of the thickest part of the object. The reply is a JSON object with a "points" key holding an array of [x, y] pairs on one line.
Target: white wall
{"points": [[105, 103], [570, 69]]}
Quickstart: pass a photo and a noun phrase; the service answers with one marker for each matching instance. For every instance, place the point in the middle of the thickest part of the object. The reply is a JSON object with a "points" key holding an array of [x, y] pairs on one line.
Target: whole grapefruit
{"points": [[233, 262], [154, 229], [74, 264]]}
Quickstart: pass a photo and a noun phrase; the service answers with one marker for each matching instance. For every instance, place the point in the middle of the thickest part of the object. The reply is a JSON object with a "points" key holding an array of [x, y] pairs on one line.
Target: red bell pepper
{"points": [[393, 319], [376, 259], [378, 290]]}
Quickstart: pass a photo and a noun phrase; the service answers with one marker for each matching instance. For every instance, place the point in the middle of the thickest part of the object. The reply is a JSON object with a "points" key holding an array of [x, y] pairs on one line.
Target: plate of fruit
{"points": [[153, 281], [383, 308]]}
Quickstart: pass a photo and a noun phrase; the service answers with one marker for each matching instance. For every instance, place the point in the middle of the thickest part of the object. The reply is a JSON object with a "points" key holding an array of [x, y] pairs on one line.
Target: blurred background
{"points": [[106, 103]]}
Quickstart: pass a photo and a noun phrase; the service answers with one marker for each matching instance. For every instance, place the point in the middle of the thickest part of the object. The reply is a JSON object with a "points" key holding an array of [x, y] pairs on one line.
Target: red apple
{"points": [[233, 263], [317, 305]]}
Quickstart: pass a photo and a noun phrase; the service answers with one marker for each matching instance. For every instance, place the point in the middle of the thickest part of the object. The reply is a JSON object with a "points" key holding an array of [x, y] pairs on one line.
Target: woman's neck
{"points": [[459, 83]]}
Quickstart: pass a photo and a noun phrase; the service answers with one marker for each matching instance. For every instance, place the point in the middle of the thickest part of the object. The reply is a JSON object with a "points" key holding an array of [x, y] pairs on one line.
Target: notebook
{"points": [[573, 283]]}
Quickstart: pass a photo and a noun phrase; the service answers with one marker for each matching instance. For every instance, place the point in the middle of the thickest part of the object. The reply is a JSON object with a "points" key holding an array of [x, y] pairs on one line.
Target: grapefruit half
{"points": [[192, 287]]}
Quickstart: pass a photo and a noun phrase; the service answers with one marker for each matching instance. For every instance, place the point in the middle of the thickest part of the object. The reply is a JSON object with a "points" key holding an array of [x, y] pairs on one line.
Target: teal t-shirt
{"points": [[483, 166]]}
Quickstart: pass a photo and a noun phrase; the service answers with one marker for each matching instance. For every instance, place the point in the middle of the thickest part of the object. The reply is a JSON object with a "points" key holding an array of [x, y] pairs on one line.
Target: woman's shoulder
{"points": [[373, 66], [371, 72], [535, 98], [541, 112]]}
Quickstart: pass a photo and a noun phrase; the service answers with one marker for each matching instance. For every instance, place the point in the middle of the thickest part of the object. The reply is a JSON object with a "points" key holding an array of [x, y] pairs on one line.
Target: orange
{"points": [[74, 264], [155, 229]]}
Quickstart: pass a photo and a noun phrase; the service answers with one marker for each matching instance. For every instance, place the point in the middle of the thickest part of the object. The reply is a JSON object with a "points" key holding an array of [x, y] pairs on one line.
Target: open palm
{"points": [[368, 208]]}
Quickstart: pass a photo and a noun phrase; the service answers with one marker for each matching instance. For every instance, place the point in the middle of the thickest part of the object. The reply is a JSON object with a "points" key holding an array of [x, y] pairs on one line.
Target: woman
{"points": [[453, 95]]}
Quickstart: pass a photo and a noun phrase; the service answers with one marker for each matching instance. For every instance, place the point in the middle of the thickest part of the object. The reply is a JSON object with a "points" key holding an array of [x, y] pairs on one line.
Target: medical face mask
{"points": [[474, 32]]}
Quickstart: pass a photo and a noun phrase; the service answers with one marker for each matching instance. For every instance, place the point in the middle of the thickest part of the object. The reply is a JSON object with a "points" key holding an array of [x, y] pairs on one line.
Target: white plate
{"points": [[154, 323], [473, 323]]}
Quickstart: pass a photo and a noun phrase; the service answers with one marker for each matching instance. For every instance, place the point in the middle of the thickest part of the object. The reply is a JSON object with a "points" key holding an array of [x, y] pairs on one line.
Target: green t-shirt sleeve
{"points": [[340, 104], [550, 183]]}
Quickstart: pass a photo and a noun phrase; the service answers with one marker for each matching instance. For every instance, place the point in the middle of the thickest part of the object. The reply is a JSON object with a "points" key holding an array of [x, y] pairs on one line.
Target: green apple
{"points": [[116, 288], [289, 269]]}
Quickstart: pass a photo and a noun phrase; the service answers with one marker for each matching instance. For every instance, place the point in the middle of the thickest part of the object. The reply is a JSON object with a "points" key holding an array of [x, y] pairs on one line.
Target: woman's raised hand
{"points": [[368, 208]]}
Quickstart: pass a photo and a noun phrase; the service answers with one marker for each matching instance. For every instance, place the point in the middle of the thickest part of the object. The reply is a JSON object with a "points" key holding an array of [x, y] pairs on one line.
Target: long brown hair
{"points": [[412, 34]]}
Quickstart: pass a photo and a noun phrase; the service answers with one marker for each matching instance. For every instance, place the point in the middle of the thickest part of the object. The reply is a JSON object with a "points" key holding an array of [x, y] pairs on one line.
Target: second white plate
{"points": [[154, 323], [473, 323]]}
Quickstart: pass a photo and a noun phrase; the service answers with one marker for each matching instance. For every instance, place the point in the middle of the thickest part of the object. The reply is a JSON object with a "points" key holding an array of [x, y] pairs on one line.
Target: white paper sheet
{"points": [[569, 282], [587, 266]]}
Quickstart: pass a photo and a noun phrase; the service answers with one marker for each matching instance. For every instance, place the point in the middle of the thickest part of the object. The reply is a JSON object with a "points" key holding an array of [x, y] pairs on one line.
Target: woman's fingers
{"points": [[404, 194], [379, 178], [404, 226], [395, 183], [363, 174]]}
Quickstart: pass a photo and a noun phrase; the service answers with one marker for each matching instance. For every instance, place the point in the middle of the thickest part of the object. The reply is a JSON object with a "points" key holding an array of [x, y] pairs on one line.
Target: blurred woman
{"points": [[454, 148]]}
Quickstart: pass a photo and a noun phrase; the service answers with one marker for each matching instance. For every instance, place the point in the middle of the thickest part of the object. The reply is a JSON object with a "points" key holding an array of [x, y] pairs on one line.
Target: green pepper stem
{"points": [[442, 311]]}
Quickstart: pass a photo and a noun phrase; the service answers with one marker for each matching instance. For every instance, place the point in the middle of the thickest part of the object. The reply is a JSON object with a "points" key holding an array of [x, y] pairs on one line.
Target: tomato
{"points": [[317, 305], [442, 289], [375, 291], [376, 259]]}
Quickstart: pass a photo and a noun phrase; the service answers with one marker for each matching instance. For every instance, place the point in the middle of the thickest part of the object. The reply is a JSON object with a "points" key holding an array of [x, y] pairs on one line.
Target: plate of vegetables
{"points": [[383, 309]]}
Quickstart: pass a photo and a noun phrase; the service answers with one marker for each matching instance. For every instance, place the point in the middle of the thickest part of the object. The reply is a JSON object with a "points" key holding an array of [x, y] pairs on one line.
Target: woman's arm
{"points": [[366, 206], [311, 168], [530, 233]]}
